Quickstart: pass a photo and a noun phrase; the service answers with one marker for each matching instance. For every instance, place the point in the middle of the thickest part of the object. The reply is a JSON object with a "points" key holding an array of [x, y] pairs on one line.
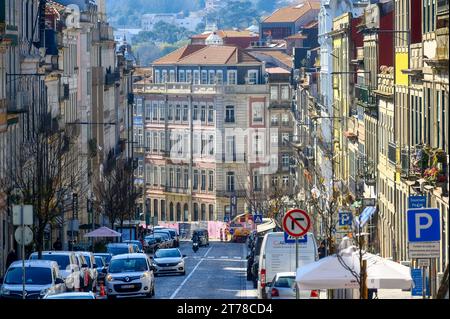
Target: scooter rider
{"points": [[195, 242]]}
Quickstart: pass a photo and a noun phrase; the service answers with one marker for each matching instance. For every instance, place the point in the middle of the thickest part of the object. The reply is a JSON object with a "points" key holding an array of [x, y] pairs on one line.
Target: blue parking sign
{"points": [[345, 218], [423, 225]]}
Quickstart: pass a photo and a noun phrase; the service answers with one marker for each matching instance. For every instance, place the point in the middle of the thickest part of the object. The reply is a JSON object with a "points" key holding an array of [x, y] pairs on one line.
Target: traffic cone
{"points": [[102, 290]]}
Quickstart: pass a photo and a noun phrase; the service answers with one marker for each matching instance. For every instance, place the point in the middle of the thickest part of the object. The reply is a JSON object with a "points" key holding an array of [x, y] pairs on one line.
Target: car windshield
{"points": [[106, 257], [62, 260], [164, 234], [117, 250], [134, 242], [33, 276], [127, 265], [285, 282], [150, 240], [164, 253], [99, 261]]}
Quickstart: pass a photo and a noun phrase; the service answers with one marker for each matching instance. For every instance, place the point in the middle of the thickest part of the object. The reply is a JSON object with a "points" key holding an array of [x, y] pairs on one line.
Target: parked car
{"points": [[164, 240], [138, 243], [203, 236], [152, 244], [72, 295], [277, 256], [101, 266], [41, 277], [69, 269], [120, 248], [169, 261], [130, 275], [173, 232], [170, 238], [106, 256], [283, 286]]}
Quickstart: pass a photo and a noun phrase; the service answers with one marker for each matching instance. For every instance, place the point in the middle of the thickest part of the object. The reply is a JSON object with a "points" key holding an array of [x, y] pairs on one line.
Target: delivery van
{"points": [[277, 256]]}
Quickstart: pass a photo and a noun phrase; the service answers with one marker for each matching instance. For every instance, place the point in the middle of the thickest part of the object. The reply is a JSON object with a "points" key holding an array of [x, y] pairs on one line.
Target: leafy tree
{"points": [[267, 5], [237, 13]]}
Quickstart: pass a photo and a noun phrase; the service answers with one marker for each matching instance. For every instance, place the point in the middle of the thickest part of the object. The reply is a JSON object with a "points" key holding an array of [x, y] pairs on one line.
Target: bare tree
{"points": [[44, 174], [116, 192]]}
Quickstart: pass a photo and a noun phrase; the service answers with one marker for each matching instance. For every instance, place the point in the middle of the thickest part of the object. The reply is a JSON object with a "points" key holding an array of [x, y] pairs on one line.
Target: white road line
{"points": [[224, 257], [236, 257], [189, 276]]}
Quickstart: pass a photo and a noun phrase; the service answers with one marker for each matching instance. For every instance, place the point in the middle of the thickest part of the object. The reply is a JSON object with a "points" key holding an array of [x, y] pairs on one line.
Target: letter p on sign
{"points": [[424, 225]]}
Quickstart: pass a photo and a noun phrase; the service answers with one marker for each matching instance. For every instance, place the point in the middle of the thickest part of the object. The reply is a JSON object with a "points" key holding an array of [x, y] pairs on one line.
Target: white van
{"points": [[276, 256]]}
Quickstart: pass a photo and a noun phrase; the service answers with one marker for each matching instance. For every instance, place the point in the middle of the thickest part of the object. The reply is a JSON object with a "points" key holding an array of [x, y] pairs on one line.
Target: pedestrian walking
{"points": [[322, 250], [372, 293], [57, 245], [12, 257]]}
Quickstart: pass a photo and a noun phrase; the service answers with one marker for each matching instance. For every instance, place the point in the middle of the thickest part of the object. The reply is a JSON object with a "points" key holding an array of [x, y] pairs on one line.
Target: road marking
{"points": [[224, 257], [235, 257], [189, 276]]}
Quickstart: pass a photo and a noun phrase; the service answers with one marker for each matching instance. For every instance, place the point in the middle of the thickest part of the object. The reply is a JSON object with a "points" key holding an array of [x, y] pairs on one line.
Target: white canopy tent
{"points": [[331, 272]]}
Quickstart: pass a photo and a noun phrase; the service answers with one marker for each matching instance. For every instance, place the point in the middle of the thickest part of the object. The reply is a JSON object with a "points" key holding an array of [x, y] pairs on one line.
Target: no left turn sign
{"points": [[296, 222]]}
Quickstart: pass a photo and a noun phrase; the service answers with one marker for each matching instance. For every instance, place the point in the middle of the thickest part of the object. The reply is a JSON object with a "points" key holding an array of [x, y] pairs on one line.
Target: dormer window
{"points": [[181, 76], [252, 76]]}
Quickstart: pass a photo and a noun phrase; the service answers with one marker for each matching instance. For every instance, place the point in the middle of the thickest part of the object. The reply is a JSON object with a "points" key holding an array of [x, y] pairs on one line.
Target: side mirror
{"points": [[59, 281], [184, 256]]}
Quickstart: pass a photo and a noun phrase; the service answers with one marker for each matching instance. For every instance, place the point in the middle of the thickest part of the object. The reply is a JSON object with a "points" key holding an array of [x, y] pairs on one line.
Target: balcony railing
{"points": [[225, 193], [199, 88], [365, 96], [112, 77]]}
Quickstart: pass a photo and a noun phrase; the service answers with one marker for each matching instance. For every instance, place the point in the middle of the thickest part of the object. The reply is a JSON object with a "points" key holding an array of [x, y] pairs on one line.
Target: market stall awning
{"points": [[103, 232], [339, 271]]}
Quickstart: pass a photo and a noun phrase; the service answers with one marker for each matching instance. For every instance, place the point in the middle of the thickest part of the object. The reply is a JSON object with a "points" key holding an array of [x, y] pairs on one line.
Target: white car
{"points": [[130, 275], [169, 260], [283, 286], [67, 263], [41, 278]]}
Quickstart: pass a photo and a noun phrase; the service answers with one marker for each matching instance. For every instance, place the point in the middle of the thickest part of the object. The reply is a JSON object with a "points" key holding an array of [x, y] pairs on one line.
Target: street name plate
{"points": [[424, 249]]}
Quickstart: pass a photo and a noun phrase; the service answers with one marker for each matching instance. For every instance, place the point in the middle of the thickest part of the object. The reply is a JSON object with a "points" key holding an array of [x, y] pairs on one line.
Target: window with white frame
{"points": [[274, 119], [172, 76], [230, 148], [162, 140], [155, 142], [211, 180], [140, 137], [195, 142], [211, 114], [285, 119], [148, 140], [229, 114], [170, 113], [148, 174], [155, 112], [232, 77], [274, 139], [285, 181], [162, 111], [219, 77], [178, 113], [230, 182], [164, 76], [285, 160], [258, 112], [211, 144], [196, 77], [204, 78], [188, 76], [274, 181], [195, 113], [274, 92], [258, 144], [185, 113], [155, 175], [252, 76], [285, 138], [148, 109], [181, 76], [203, 114], [163, 176], [257, 181], [212, 77], [186, 178], [157, 77], [285, 92]]}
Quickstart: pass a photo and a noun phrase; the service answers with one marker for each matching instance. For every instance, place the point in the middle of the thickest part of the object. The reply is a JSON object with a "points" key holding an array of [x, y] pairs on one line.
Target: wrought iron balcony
{"points": [[111, 77]]}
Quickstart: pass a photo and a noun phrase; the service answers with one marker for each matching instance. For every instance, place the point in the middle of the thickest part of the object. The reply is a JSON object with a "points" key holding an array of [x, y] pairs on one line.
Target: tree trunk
{"points": [[40, 239]]}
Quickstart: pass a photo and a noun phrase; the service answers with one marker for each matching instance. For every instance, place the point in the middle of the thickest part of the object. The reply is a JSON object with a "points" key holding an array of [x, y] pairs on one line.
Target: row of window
{"points": [[203, 76], [176, 213], [178, 113], [275, 119], [178, 177], [279, 92]]}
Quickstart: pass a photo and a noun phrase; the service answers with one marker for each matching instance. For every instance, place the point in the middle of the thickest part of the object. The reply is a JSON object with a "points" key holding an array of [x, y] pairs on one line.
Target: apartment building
{"points": [[205, 134]]}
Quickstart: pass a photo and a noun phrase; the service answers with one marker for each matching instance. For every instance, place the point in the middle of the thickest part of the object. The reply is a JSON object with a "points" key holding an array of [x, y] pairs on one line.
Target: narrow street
{"points": [[214, 272]]}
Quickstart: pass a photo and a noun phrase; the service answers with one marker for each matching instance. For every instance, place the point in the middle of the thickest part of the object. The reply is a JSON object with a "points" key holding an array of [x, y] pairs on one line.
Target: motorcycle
{"points": [[195, 247]]}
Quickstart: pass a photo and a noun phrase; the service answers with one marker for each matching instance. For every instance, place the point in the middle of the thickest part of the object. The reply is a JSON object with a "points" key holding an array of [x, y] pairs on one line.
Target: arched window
{"points": [[211, 212], [155, 207], [195, 212], [186, 212], [178, 212], [163, 210], [203, 216], [171, 212]]}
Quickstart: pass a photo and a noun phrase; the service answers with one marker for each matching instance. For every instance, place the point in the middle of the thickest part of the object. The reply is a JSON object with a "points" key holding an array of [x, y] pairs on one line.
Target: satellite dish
{"points": [[372, 17]]}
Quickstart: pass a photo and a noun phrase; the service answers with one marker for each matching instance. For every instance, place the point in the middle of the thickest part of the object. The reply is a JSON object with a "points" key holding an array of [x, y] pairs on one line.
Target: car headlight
{"points": [[144, 275], [44, 292], [109, 278], [5, 291]]}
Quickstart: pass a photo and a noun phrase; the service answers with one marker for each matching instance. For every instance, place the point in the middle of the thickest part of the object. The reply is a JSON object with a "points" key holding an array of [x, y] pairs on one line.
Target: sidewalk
{"points": [[395, 294]]}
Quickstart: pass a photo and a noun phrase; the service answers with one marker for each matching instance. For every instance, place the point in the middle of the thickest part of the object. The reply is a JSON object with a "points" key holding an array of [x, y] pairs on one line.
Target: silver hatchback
{"points": [[168, 261]]}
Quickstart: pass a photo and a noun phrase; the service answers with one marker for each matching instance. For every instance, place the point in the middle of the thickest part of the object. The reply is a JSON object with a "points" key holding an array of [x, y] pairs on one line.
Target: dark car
{"points": [[135, 242], [121, 248], [152, 244], [173, 234], [202, 235]]}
